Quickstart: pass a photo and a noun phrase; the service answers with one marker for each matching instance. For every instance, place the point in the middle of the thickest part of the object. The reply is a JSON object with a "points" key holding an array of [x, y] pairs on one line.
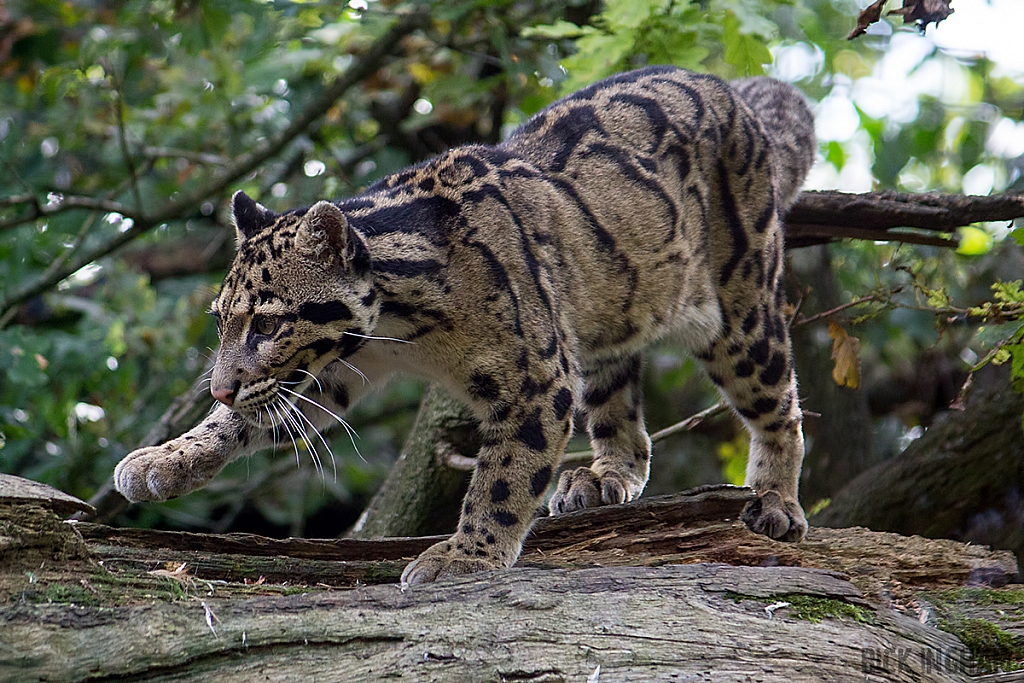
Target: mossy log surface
{"points": [[669, 588]]}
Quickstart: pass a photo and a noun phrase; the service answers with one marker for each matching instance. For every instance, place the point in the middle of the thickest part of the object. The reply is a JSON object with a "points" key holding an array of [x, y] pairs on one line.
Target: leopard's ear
{"points": [[250, 216], [326, 234]]}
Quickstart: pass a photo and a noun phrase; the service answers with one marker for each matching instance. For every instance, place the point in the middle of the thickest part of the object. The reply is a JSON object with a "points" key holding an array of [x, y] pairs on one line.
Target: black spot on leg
{"points": [[765, 405], [500, 491], [603, 430], [501, 412], [744, 369], [505, 518], [750, 322], [483, 387], [468, 529], [562, 403], [467, 508], [531, 432], [775, 369], [759, 350], [549, 351], [540, 480]]}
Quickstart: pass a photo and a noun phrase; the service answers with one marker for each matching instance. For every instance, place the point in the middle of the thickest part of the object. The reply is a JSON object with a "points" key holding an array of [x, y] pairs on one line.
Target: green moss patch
{"points": [[811, 608], [976, 615], [991, 647]]}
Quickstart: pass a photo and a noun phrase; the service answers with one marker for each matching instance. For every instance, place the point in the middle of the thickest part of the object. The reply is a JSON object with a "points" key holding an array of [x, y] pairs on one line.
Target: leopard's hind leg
{"points": [[751, 363], [622, 449]]}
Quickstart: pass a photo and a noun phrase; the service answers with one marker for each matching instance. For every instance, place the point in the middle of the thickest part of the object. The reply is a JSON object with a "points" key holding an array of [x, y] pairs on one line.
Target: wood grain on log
{"points": [[625, 588], [634, 624]]}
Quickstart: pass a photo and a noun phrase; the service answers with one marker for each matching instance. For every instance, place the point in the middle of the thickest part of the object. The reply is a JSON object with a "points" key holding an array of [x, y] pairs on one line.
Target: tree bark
{"points": [[422, 494], [167, 606], [626, 624], [963, 479]]}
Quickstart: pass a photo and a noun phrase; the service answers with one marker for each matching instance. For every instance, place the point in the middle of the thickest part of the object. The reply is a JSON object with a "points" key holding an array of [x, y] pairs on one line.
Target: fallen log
{"points": [[659, 589]]}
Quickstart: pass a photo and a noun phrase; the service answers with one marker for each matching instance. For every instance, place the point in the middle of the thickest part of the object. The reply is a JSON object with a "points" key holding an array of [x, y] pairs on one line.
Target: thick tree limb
{"points": [[819, 217], [630, 624], [407, 503]]}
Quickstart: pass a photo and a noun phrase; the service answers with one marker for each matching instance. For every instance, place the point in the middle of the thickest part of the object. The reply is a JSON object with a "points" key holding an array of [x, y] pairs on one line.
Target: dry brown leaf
{"points": [[846, 354], [924, 12], [921, 12], [867, 16], [178, 572]]}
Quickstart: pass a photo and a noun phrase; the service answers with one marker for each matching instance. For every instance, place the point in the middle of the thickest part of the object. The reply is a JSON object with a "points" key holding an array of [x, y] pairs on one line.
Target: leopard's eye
{"points": [[265, 324]]}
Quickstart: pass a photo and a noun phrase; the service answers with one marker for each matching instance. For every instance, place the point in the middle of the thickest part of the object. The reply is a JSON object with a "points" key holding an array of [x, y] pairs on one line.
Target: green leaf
{"points": [[631, 13], [745, 52], [1018, 235], [556, 31], [974, 241], [598, 55]]}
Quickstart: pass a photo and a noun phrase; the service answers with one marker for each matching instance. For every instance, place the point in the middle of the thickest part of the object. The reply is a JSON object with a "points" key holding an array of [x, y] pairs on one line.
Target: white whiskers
{"points": [[366, 380], [302, 416], [352, 435], [370, 336], [306, 372], [287, 429]]}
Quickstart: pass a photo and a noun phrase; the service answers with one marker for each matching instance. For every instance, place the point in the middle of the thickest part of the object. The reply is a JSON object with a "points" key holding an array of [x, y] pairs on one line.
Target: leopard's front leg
{"points": [[188, 462], [523, 441]]}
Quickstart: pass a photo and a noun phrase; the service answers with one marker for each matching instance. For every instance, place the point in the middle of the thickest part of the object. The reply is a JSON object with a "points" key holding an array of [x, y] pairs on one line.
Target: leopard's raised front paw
{"points": [[444, 560], [583, 488], [776, 517], [160, 472]]}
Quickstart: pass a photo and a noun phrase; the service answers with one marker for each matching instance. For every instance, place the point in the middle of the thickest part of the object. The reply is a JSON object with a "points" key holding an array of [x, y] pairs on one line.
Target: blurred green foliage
{"points": [[143, 103]]}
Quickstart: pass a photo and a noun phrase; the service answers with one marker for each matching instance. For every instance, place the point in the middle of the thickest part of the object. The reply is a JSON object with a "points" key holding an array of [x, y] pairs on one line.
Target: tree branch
{"points": [[820, 217], [361, 68]]}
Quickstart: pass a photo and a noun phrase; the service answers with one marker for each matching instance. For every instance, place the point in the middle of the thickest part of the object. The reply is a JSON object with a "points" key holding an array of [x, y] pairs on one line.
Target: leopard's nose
{"points": [[226, 395]]}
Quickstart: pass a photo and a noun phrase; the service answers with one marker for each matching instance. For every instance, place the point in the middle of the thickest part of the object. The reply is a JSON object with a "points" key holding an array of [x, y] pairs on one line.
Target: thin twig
{"points": [[832, 311], [461, 462], [187, 154], [67, 203], [75, 246], [122, 140]]}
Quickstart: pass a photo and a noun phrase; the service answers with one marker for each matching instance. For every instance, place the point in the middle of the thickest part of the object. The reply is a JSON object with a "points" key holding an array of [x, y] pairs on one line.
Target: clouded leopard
{"points": [[528, 277]]}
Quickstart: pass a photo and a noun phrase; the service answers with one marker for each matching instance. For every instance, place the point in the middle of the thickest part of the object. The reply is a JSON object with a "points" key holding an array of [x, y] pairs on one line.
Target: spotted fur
{"points": [[528, 277]]}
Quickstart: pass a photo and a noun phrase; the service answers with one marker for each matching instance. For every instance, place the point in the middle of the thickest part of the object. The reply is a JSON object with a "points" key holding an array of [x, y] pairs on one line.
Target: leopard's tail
{"points": [[790, 126]]}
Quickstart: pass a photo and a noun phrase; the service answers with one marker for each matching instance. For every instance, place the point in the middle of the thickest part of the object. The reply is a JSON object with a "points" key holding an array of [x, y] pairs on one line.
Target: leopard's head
{"points": [[298, 297]]}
